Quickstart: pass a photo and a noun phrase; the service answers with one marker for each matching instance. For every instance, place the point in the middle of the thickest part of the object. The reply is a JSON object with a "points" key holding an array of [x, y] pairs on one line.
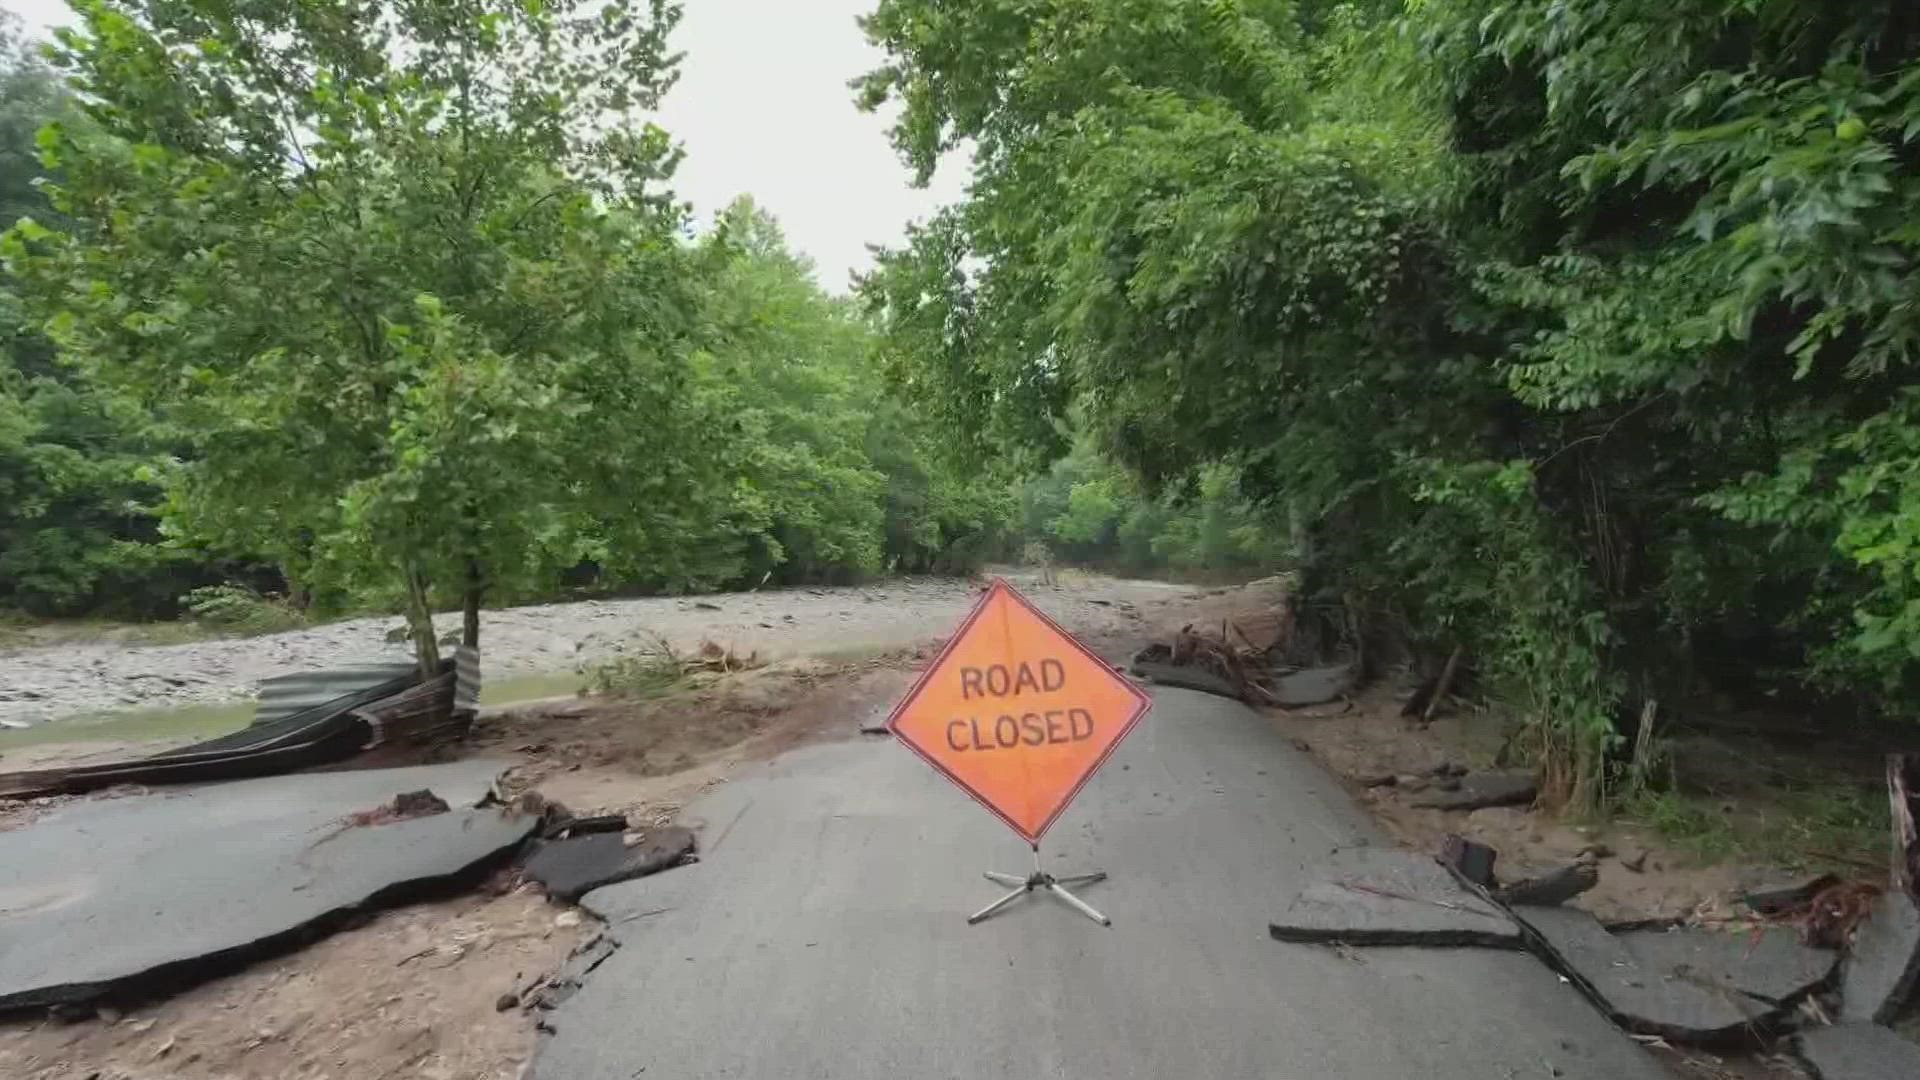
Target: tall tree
{"points": [[405, 271], [1579, 332], [77, 529]]}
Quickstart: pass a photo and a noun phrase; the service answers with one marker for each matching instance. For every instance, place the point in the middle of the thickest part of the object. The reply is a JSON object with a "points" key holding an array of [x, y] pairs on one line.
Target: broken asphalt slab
{"points": [[1480, 790], [1688, 985], [1883, 963], [1768, 963], [1858, 1052], [1376, 896], [569, 869], [146, 890], [1185, 677], [1313, 686]]}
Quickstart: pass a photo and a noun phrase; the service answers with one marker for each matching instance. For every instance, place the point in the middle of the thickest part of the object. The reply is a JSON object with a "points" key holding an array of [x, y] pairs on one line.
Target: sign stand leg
{"points": [[1041, 880]]}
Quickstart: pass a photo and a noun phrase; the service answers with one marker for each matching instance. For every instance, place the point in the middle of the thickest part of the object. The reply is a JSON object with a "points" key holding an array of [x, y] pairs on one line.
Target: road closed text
{"points": [[1012, 729]]}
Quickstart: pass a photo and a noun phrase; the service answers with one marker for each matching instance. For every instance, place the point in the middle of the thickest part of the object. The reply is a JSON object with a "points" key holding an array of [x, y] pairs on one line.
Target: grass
{"points": [[22, 632], [1838, 825]]}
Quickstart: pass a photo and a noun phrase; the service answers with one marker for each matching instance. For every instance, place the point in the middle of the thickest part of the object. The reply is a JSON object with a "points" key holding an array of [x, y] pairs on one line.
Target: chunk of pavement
{"points": [[569, 869], [1368, 896], [1482, 789], [564, 825], [1312, 686], [1184, 677], [1778, 900], [113, 894], [1859, 1052], [1883, 964], [1769, 963], [1470, 859], [1553, 887], [1639, 993]]}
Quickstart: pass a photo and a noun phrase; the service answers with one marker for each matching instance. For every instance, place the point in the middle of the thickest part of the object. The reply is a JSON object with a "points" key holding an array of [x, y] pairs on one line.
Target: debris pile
{"points": [[712, 656], [403, 807], [1255, 658]]}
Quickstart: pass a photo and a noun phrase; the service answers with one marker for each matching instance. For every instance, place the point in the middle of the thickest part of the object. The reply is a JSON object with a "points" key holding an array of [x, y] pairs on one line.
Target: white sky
{"points": [[762, 108]]}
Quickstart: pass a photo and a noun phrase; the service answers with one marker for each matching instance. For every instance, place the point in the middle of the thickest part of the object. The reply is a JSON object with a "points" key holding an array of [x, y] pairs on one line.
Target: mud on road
{"points": [[47, 683]]}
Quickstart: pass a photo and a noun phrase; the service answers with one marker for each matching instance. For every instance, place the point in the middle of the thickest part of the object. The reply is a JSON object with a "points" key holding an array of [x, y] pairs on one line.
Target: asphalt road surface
{"points": [[824, 935]]}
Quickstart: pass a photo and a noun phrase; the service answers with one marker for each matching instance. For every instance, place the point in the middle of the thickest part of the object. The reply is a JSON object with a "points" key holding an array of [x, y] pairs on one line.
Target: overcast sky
{"points": [[762, 108]]}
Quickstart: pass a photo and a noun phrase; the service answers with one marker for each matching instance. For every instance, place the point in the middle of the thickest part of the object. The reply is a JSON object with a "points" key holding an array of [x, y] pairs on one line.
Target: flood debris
{"points": [[1258, 656], [402, 807], [562, 825], [569, 869], [1550, 888], [1883, 962], [1858, 1052], [1787, 899], [306, 719], [1314, 685], [1369, 896], [1479, 790], [712, 656]]}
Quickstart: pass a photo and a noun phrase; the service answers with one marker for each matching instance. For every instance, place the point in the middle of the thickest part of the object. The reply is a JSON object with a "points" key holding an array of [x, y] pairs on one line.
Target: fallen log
{"points": [[1444, 686], [1550, 889]]}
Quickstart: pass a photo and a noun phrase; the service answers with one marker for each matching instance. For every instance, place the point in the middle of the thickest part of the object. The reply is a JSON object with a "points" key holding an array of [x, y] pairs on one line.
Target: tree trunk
{"points": [[470, 604], [420, 624]]}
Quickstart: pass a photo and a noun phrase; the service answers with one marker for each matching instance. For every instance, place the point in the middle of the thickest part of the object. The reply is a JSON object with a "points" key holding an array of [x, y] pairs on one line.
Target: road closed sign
{"points": [[1017, 712]]}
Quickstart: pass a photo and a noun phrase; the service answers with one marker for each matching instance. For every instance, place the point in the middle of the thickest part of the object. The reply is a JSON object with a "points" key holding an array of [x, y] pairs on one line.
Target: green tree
{"points": [[405, 275], [789, 367], [77, 528], [1579, 333]]}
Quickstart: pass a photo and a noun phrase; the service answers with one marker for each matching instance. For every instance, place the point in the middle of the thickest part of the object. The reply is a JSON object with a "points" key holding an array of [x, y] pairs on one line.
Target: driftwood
{"points": [[1549, 889], [1441, 688], [1903, 791]]}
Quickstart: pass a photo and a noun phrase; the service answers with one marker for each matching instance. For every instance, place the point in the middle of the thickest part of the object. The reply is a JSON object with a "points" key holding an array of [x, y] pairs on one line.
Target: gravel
{"points": [[73, 680]]}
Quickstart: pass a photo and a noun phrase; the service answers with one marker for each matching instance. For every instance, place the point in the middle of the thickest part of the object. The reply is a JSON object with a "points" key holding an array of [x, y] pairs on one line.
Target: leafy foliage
{"points": [[1578, 332], [413, 305], [77, 531], [242, 610]]}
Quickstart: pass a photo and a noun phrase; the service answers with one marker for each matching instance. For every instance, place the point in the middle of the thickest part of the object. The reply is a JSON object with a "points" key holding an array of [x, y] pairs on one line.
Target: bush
{"points": [[238, 609], [645, 666]]}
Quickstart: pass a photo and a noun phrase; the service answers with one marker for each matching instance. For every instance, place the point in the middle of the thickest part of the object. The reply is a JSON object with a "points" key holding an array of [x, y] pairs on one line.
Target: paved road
{"points": [[824, 936]]}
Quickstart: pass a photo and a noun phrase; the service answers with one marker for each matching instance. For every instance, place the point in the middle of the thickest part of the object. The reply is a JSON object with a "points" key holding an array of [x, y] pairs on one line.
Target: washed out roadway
{"points": [[824, 935]]}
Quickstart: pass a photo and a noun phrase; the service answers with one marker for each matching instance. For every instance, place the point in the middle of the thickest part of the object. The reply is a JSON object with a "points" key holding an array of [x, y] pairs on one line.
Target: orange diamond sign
{"points": [[1016, 712]]}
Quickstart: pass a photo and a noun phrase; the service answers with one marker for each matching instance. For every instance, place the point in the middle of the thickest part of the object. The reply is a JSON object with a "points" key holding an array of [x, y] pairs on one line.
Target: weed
{"points": [[1829, 824], [647, 667]]}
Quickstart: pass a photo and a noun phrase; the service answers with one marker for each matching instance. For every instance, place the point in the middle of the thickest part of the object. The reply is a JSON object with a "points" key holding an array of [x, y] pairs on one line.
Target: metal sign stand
{"points": [[1040, 879]]}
